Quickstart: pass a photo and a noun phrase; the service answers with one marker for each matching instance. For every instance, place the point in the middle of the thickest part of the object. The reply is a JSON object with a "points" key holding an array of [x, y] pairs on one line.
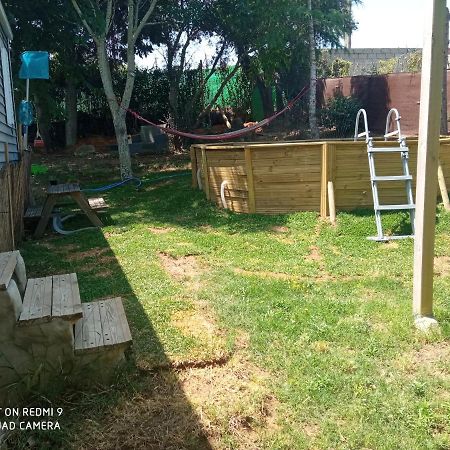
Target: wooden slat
{"points": [[88, 330], [66, 297], [104, 325], [205, 174], [114, 322], [37, 302], [250, 181], [8, 262], [194, 167]]}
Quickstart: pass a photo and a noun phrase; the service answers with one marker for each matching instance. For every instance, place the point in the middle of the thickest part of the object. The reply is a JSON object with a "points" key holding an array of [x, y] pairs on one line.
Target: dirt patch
{"points": [[442, 266], [199, 324], [186, 269], [314, 254], [279, 229], [266, 274], [230, 406], [160, 230], [432, 358], [234, 400], [323, 277]]}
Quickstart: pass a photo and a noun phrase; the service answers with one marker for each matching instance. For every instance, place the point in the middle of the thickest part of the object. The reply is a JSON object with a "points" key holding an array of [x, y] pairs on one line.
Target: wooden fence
{"points": [[293, 176], [14, 191]]}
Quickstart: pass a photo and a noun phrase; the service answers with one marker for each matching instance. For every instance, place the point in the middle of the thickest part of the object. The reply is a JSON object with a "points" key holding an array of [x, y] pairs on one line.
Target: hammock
{"points": [[223, 136]]}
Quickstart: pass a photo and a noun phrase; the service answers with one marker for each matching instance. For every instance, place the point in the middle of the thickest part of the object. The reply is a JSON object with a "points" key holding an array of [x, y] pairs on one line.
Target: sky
{"points": [[389, 23], [381, 23]]}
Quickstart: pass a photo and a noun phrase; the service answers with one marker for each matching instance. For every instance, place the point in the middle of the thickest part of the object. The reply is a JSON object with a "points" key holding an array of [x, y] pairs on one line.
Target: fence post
{"points": [[10, 203], [327, 174]]}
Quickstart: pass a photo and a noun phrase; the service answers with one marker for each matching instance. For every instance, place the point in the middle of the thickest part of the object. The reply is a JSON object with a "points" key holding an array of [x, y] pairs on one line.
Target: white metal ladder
{"points": [[406, 176]]}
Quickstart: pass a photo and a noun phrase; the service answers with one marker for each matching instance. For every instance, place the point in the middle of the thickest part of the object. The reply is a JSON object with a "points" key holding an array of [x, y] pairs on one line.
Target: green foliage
{"points": [[388, 66], [340, 113], [414, 62], [337, 68]]}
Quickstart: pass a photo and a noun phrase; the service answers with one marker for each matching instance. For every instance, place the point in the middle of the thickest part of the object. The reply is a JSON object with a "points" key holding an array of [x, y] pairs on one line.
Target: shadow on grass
{"points": [[144, 408]]}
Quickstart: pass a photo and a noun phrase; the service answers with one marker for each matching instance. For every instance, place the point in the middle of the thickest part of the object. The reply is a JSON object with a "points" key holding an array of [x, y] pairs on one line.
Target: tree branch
{"points": [[144, 20], [109, 16], [218, 93], [83, 20]]}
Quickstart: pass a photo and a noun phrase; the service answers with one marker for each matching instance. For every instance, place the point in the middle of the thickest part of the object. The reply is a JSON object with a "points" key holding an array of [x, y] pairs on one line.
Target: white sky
{"points": [[381, 23]]}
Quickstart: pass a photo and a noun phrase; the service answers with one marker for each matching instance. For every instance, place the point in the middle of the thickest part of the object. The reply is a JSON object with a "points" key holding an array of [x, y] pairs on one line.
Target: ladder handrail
{"points": [[398, 131], [366, 125]]}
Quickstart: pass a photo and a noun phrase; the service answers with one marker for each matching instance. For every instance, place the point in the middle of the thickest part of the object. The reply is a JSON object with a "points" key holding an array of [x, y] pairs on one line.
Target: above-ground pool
{"points": [[272, 178]]}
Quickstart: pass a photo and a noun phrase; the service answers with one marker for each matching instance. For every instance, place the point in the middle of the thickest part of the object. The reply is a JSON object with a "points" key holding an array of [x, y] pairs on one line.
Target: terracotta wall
{"points": [[380, 93]]}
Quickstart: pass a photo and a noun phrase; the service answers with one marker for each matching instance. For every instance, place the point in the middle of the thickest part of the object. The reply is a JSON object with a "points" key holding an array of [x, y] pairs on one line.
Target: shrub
{"points": [[340, 113]]}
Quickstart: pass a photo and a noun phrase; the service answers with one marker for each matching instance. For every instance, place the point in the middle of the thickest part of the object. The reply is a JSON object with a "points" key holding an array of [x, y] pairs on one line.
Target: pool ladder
{"points": [[403, 150]]}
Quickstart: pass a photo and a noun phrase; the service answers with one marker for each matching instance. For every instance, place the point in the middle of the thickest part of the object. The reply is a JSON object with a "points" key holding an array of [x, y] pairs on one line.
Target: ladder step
{"points": [[394, 207], [394, 178], [387, 150]]}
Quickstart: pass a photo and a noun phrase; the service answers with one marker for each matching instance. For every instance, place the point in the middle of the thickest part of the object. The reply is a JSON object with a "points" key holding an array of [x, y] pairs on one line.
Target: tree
{"points": [[98, 19], [48, 25], [313, 76]]}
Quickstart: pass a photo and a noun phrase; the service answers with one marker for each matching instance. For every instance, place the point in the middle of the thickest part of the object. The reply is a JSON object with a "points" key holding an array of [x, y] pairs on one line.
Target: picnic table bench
{"points": [[55, 193]]}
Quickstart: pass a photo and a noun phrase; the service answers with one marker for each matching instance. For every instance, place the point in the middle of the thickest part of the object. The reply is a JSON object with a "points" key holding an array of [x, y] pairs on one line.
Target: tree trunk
{"points": [[71, 113], [313, 80], [266, 96], [120, 128], [118, 114]]}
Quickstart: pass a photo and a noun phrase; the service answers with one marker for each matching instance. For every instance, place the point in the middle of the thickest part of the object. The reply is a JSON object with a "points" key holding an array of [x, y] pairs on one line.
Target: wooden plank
{"points": [[82, 202], [37, 302], [205, 174], [10, 202], [250, 181], [46, 213], [8, 262], [194, 167], [114, 323], [97, 203], [66, 297], [88, 330]]}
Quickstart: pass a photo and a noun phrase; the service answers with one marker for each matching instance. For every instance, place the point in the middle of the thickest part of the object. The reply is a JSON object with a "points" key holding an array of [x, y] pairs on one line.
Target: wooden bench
{"points": [[104, 327], [35, 212], [48, 298]]}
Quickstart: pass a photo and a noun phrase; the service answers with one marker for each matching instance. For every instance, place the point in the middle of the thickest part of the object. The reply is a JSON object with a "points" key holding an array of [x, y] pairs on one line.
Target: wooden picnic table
{"points": [[54, 195]]}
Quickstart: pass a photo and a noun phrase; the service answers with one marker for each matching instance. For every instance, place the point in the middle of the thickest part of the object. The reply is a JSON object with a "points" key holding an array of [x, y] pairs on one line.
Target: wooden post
{"points": [[327, 174], [250, 181], [194, 167], [427, 164], [10, 202], [331, 203], [205, 170], [444, 116], [443, 188]]}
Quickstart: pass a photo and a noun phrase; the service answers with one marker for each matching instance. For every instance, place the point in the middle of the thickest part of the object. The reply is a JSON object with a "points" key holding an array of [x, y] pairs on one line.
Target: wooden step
{"points": [[8, 262], [54, 297], [104, 326]]}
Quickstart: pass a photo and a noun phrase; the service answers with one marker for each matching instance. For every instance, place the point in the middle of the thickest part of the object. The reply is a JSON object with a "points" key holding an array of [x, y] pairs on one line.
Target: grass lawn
{"points": [[275, 332]]}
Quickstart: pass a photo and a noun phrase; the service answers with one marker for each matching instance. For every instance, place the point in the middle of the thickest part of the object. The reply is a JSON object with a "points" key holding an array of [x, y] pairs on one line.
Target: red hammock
{"points": [[230, 135]]}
